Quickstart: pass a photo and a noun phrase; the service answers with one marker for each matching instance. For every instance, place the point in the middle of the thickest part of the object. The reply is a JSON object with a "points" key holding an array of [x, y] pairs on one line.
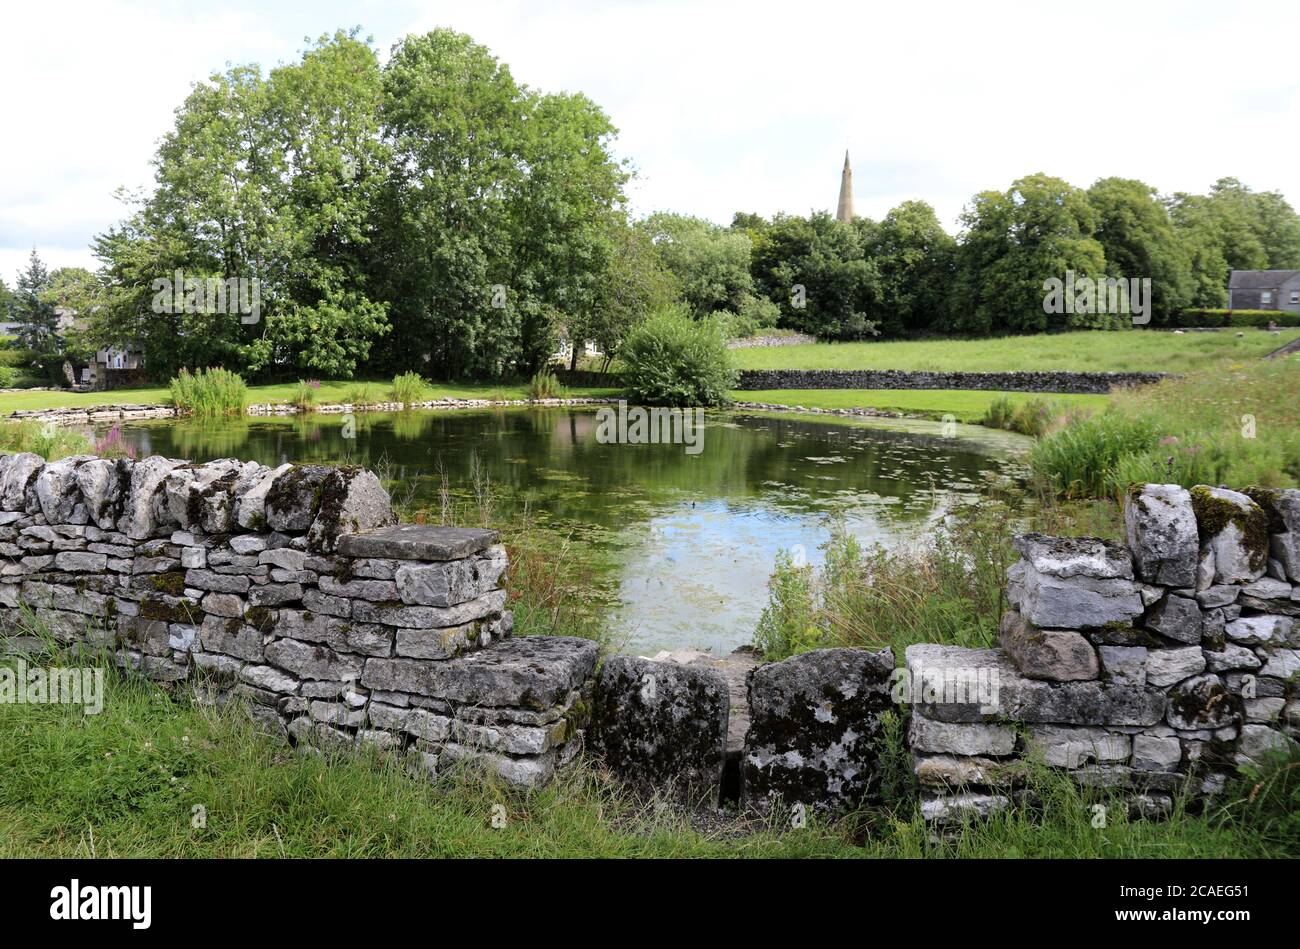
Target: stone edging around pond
{"points": [[864, 412], [128, 412], [124, 413]]}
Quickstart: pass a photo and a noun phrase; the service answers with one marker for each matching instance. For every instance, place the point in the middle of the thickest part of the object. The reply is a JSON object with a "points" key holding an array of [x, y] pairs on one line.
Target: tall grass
{"points": [[304, 394], [362, 396], [947, 588], [1237, 427], [545, 385], [948, 591], [409, 387], [1032, 417], [46, 439], [209, 393]]}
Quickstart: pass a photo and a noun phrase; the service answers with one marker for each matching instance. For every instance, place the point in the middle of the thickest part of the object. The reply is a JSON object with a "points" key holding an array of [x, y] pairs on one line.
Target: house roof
{"points": [[1260, 279]]}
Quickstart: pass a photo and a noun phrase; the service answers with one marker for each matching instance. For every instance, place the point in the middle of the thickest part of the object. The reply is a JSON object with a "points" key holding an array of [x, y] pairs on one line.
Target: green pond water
{"points": [[691, 538]]}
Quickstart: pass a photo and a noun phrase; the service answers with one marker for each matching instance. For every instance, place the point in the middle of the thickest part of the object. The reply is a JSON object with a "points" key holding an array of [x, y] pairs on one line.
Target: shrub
{"points": [[209, 393], [9, 376], [671, 359], [408, 387], [544, 385], [788, 624]]}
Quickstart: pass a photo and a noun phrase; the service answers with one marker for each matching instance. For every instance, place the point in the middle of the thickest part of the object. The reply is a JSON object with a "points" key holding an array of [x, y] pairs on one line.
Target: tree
{"points": [[561, 214], [76, 293], [1138, 238], [38, 319], [1198, 231], [632, 286], [916, 258], [816, 271], [1278, 228], [1015, 240], [711, 264], [6, 302]]}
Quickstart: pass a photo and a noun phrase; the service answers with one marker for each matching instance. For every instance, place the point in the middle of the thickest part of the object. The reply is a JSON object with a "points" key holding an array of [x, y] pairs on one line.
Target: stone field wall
{"points": [[1152, 666], [766, 379], [294, 590]]}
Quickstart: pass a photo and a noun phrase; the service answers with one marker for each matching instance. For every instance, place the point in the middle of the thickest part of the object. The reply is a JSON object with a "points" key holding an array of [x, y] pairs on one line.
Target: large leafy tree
{"points": [[562, 215], [815, 268], [1138, 238], [633, 285], [1197, 227], [711, 264], [453, 120], [324, 115], [1014, 240], [916, 258]]}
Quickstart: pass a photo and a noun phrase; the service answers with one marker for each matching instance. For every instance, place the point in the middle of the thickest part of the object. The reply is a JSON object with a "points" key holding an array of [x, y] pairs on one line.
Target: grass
{"points": [[208, 393], [544, 385], [330, 391], [964, 405], [1130, 350], [1238, 425], [49, 441], [408, 387], [159, 774], [948, 588]]}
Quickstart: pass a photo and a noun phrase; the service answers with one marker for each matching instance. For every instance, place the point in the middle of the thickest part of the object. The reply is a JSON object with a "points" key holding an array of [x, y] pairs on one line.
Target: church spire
{"points": [[844, 212]]}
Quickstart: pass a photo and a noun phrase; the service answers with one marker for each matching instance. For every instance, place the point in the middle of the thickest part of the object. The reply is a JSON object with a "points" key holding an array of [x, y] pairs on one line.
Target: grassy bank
{"points": [[963, 405], [1237, 426], [1129, 350], [130, 781], [285, 393]]}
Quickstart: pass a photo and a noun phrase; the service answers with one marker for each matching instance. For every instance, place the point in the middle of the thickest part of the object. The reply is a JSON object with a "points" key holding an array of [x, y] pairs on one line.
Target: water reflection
{"points": [[696, 535]]}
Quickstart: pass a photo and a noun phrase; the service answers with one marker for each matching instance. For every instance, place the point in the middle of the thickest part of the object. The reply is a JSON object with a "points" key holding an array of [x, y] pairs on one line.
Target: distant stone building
{"points": [[1264, 290], [844, 210]]}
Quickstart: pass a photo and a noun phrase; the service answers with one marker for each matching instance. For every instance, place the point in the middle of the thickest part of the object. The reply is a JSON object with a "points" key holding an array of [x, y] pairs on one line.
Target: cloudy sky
{"points": [[722, 106]]}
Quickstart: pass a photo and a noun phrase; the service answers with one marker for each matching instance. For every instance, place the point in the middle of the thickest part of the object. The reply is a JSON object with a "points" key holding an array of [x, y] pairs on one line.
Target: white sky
{"points": [[722, 106]]}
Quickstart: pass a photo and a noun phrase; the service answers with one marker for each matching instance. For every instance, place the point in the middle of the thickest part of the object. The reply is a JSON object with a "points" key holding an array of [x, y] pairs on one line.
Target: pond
{"points": [[692, 535]]}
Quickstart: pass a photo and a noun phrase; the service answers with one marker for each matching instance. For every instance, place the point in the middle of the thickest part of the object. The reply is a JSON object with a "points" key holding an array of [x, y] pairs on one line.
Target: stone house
{"points": [[1264, 290]]}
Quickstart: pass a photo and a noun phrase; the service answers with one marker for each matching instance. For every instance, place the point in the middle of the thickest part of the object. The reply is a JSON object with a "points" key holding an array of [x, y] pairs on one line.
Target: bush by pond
{"points": [[671, 359]]}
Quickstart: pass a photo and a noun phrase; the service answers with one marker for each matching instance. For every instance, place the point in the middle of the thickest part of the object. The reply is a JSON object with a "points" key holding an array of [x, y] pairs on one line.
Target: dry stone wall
{"points": [[1155, 666], [294, 591]]}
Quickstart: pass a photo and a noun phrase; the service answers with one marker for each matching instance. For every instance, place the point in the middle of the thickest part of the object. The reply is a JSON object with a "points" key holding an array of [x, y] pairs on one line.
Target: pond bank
{"points": [[129, 412], [133, 412]]}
